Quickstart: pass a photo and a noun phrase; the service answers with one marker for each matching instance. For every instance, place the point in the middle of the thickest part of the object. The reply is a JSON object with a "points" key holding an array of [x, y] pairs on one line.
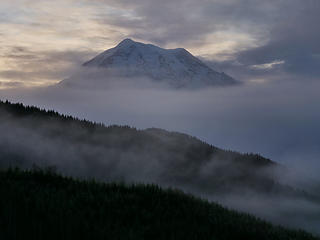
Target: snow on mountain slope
{"points": [[176, 67]]}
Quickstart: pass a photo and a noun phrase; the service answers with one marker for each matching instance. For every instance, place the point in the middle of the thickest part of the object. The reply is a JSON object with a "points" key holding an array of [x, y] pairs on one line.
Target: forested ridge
{"points": [[41, 205], [32, 137], [82, 148]]}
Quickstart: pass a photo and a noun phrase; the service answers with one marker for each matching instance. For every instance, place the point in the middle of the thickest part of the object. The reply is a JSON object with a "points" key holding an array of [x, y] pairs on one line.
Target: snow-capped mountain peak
{"points": [[176, 67]]}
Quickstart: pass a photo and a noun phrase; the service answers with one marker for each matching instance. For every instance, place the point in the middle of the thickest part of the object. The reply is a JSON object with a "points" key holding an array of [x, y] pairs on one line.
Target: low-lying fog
{"points": [[275, 119]]}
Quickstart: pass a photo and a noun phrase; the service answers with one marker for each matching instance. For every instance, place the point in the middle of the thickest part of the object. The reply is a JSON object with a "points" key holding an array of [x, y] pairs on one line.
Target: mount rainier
{"points": [[176, 68]]}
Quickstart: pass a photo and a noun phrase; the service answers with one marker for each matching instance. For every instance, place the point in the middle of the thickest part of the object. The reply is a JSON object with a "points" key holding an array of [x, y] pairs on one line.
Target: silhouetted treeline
{"points": [[30, 135], [41, 205]]}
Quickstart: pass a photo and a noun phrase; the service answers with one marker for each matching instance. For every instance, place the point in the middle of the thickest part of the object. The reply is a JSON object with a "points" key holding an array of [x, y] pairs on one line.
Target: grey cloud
{"points": [[294, 39], [28, 65], [246, 72], [10, 84], [181, 21]]}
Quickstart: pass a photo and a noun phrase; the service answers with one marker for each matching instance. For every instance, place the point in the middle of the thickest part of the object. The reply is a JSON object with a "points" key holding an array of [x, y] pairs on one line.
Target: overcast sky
{"points": [[272, 46], [41, 42]]}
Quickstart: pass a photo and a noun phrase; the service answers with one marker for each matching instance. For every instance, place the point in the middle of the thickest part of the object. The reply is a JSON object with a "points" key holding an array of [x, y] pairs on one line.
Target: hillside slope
{"points": [[248, 182], [81, 148], [41, 205]]}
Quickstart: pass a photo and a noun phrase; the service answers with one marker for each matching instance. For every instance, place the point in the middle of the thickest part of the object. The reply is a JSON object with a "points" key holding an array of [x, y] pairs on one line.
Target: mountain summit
{"points": [[176, 67]]}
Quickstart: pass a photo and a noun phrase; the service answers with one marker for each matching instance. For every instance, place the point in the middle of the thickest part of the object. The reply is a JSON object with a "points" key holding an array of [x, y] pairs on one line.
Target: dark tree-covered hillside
{"points": [[42, 205], [81, 148]]}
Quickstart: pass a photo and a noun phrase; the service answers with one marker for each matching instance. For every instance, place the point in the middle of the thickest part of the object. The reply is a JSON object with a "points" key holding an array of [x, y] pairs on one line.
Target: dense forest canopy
{"points": [[83, 149], [43, 205]]}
